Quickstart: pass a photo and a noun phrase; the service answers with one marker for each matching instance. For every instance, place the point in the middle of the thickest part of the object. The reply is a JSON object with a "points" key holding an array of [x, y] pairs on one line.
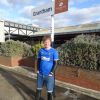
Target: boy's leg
{"points": [[50, 96], [39, 86], [38, 94], [50, 87]]}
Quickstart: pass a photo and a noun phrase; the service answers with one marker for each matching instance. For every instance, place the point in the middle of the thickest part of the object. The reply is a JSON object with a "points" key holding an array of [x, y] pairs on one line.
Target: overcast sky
{"points": [[80, 12]]}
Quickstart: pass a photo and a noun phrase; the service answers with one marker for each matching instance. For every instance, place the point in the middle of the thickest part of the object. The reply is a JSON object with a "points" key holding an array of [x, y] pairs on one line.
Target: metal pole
{"points": [[52, 37], [52, 34], [52, 25]]}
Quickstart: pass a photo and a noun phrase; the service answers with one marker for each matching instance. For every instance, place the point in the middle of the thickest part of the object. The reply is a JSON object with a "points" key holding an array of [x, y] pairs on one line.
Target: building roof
{"points": [[90, 27]]}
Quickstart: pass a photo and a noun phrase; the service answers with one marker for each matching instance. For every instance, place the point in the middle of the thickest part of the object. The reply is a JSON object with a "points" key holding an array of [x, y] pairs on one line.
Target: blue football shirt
{"points": [[47, 57]]}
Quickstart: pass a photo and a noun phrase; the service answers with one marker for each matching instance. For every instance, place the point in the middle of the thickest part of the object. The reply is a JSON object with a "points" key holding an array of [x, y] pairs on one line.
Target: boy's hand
{"points": [[51, 74], [37, 72]]}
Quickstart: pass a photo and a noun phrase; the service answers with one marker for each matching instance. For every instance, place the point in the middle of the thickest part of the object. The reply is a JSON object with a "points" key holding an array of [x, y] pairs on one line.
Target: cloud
{"points": [[22, 20], [74, 16], [3, 15], [19, 2], [26, 2], [72, 2], [85, 13], [40, 3], [42, 22], [4, 2], [26, 21], [77, 16], [26, 11], [14, 3]]}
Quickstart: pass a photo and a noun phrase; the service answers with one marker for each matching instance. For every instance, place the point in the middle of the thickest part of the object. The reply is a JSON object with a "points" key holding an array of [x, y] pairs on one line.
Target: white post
{"points": [[52, 37], [52, 34], [52, 25]]}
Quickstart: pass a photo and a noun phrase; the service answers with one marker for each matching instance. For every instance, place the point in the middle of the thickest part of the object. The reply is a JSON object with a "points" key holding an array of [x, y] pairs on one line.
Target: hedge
{"points": [[82, 51], [15, 48]]}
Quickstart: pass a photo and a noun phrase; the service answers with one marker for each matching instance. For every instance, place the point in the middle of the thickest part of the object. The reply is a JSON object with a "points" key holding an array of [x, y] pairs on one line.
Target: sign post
{"points": [[58, 6], [52, 24], [52, 37]]}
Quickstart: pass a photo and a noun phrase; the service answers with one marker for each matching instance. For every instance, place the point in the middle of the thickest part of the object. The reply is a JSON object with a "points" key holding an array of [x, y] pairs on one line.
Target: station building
{"points": [[28, 33]]}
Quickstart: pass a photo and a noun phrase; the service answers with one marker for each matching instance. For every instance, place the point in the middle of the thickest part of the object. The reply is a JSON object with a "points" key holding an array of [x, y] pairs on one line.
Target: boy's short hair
{"points": [[47, 37]]}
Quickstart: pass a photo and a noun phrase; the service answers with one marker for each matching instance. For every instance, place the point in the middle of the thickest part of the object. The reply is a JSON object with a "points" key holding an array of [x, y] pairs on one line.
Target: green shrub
{"points": [[82, 51], [15, 48]]}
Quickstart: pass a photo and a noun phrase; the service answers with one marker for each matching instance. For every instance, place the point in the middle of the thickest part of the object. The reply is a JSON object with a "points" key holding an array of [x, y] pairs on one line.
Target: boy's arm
{"points": [[54, 67]]}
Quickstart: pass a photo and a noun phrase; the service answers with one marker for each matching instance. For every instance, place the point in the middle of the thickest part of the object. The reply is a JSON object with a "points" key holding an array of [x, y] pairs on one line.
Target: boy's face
{"points": [[47, 43]]}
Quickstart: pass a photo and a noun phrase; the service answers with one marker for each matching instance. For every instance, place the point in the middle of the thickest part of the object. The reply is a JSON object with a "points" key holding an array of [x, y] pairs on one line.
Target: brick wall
{"points": [[80, 77], [17, 61]]}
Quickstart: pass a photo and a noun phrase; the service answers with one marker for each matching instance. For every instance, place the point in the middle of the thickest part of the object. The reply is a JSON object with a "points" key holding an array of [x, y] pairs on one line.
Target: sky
{"points": [[79, 12]]}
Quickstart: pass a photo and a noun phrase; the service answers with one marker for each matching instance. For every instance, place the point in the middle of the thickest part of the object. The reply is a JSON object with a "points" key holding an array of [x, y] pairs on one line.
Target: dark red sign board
{"points": [[61, 6]]}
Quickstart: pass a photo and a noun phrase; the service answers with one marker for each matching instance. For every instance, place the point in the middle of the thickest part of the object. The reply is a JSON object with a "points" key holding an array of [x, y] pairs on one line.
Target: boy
{"points": [[47, 62]]}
